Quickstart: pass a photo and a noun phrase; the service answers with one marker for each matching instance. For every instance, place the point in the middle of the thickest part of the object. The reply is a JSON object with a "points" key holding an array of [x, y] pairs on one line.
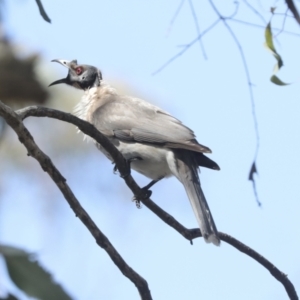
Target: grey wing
{"points": [[132, 119]]}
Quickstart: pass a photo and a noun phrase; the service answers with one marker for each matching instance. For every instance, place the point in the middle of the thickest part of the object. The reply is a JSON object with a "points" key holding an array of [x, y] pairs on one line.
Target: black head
{"points": [[79, 76]]}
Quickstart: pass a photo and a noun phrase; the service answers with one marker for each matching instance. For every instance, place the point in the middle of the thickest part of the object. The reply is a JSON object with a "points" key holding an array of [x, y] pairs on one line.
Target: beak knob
{"points": [[64, 62]]}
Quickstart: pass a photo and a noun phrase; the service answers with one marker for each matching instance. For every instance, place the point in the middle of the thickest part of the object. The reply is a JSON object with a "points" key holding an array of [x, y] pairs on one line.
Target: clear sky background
{"points": [[129, 40]]}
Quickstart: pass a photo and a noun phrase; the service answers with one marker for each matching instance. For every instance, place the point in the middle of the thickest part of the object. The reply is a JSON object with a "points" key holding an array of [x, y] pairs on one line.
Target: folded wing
{"points": [[132, 119]]}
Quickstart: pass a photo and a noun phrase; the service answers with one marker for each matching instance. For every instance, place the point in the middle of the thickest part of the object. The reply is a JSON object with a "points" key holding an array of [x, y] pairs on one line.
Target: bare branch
{"points": [[15, 122], [293, 9], [189, 234], [42, 11], [250, 85], [280, 276], [199, 37]]}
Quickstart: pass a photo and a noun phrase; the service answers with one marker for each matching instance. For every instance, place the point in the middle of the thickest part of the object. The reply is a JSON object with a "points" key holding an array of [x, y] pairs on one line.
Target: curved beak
{"points": [[65, 63]]}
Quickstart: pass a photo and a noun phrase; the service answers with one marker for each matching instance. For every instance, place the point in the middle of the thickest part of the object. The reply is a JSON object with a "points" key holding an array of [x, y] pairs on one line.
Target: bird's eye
{"points": [[78, 70]]}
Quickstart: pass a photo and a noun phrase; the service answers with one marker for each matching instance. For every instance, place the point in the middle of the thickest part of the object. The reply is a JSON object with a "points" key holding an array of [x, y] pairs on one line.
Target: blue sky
{"points": [[128, 41]]}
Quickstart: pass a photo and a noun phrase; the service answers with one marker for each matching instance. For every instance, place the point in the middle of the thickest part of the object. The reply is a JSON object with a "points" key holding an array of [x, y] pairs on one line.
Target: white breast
{"points": [[91, 100]]}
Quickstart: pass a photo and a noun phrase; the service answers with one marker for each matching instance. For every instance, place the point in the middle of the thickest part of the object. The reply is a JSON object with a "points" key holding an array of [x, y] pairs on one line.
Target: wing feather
{"points": [[132, 119]]}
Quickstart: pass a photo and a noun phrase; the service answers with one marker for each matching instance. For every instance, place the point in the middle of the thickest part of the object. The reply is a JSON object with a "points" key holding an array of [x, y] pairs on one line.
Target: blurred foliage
{"points": [[18, 81], [21, 84], [9, 297], [29, 276]]}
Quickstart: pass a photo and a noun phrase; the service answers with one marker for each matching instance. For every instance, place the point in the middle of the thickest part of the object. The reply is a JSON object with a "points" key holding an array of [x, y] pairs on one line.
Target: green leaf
{"points": [[277, 81], [30, 277], [269, 38], [270, 46]]}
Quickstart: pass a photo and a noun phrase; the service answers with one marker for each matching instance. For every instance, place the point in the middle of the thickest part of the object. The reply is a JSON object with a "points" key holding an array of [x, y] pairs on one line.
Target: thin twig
{"points": [[197, 28], [262, 26], [186, 47], [15, 122], [189, 45], [250, 85], [175, 16], [256, 12], [283, 24], [189, 234]]}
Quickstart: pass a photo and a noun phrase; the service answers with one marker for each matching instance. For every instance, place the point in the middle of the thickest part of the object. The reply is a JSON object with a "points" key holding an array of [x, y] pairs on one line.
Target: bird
{"points": [[155, 143]]}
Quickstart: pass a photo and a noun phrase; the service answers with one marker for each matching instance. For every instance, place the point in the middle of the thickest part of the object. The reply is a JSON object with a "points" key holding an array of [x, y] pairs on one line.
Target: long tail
{"points": [[187, 173]]}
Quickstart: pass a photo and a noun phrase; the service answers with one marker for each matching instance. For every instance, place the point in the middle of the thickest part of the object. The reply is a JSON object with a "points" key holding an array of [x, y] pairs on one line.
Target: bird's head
{"points": [[79, 76]]}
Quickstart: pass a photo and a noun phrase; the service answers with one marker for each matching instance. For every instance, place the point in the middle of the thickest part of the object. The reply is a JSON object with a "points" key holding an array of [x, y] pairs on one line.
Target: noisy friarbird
{"points": [[156, 144]]}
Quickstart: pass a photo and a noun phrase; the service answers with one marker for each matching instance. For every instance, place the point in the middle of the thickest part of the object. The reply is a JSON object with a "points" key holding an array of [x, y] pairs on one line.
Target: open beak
{"points": [[65, 63]]}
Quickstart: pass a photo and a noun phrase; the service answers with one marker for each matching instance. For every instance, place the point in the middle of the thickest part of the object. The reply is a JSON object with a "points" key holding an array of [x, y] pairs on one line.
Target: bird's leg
{"points": [[129, 161], [149, 185], [148, 192]]}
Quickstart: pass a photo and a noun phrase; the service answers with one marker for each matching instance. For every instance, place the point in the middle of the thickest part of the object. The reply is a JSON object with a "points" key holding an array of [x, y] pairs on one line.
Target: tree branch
{"points": [[15, 122], [292, 7], [124, 170], [42, 11], [250, 87]]}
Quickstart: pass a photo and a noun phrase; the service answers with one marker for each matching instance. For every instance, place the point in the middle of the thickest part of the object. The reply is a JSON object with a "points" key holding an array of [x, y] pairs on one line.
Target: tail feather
{"points": [[204, 161], [188, 174]]}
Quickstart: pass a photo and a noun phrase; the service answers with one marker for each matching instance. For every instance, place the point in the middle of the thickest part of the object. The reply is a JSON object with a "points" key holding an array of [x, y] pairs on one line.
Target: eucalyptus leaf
{"points": [[270, 46], [278, 81]]}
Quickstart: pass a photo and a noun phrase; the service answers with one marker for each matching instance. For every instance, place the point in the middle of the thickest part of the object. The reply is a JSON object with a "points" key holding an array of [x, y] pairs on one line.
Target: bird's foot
{"points": [[146, 192], [137, 202], [146, 195], [115, 169]]}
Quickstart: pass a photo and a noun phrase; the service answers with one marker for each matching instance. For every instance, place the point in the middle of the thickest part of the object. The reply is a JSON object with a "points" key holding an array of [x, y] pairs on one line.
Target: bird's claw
{"points": [[146, 192], [115, 169], [146, 195], [137, 202]]}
